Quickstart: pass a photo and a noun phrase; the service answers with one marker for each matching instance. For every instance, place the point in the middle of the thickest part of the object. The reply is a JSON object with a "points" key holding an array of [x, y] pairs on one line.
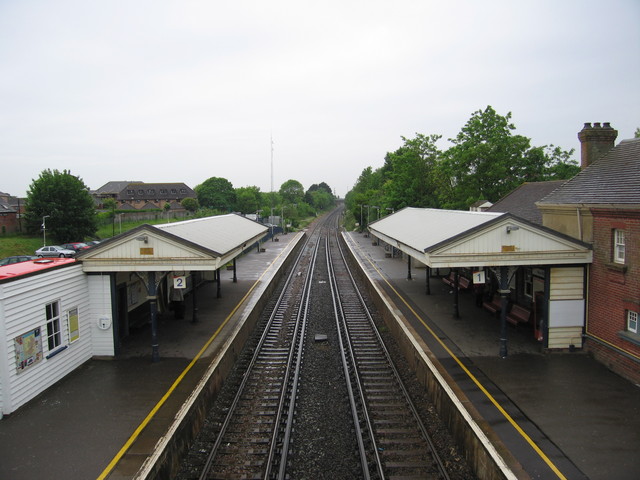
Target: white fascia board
{"points": [[509, 259], [155, 265]]}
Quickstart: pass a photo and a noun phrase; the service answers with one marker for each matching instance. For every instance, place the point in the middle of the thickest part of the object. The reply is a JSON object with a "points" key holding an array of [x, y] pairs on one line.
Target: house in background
{"points": [[480, 206], [601, 206], [9, 214], [140, 196]]}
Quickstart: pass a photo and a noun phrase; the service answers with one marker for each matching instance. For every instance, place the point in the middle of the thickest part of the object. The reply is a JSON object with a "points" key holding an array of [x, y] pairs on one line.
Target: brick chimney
{"points": [[595, 142]]}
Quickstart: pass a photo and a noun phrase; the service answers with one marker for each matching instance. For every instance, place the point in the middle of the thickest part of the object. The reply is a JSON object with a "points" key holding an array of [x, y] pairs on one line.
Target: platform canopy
{"points": [[192, 245], [455, 238]]}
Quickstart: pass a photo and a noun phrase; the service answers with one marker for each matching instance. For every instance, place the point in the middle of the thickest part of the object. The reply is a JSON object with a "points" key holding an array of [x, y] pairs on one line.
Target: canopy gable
{"points": [[201, 244], [449, 238]]}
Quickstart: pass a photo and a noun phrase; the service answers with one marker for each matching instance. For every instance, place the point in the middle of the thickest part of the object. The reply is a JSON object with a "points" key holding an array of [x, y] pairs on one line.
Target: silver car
{"points": [[55, 251]]}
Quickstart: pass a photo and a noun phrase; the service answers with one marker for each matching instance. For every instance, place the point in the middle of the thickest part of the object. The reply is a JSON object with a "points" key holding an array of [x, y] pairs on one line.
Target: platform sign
{"points": [[179, 281], [479, 277]]}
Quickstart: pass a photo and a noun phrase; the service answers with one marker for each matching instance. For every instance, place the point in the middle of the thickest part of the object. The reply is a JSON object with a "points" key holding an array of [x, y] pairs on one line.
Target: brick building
{"points": [[601, 206], [9, 214], [140, 195]]}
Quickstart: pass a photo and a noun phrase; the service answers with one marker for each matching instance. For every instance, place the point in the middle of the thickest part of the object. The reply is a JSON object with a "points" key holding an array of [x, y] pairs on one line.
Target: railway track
{"points": [[399, 445], [365, 425]]}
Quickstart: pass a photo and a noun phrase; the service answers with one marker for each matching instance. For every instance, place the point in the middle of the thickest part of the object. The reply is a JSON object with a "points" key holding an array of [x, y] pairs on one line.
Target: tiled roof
{"points": [[522, 201], [612, 179], [155, 191], [6, 208], [114, 187]]}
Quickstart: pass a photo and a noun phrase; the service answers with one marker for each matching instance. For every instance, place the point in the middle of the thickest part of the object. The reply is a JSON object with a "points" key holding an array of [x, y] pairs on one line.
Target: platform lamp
{"points": [[44, 230]]}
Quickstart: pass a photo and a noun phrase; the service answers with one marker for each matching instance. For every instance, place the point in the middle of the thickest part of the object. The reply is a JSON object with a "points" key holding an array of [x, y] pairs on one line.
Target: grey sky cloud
{"points": [[183, 91]]}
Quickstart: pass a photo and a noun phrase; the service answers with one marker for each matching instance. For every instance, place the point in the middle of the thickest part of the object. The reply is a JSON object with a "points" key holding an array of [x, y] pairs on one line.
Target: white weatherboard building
{"points": [[57, 314]]}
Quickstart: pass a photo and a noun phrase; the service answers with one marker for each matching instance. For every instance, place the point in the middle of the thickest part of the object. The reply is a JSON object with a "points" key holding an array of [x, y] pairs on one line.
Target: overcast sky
{"points": [[180, 91]]}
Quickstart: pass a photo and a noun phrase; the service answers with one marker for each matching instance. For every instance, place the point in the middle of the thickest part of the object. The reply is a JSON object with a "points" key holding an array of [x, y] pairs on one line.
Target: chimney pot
{"points": [[595, 142]]}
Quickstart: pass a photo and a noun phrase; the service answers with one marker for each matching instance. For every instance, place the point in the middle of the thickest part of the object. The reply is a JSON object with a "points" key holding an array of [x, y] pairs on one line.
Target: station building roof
{"points": [[191, 245], [455, 238], [23, 269]]}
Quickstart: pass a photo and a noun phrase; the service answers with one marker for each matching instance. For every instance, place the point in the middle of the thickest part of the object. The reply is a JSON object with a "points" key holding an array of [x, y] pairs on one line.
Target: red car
{"points": [[75, 246]]}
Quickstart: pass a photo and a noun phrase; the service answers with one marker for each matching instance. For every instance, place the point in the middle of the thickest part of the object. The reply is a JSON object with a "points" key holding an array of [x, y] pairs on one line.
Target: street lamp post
{"points": [[377, 211], [44, 230]]}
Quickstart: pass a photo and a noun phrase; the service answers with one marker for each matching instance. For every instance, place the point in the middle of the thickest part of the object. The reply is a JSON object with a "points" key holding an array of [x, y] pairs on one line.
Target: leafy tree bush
{"points": [[217, 193], [190, 204], [486, 161], [65, 200]]}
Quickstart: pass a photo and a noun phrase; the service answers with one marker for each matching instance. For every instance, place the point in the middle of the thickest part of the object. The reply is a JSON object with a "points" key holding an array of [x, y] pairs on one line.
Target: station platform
{"points": [[102, 419], [582, 417]]}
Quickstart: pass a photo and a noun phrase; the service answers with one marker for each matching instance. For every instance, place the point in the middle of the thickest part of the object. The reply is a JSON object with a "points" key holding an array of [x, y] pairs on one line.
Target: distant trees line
{"points": [[61, 203], [484, 162]]}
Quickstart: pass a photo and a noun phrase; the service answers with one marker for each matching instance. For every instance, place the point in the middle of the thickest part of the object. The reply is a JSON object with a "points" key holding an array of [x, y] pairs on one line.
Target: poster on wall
{"points": [[28, 349], [74, 328]]}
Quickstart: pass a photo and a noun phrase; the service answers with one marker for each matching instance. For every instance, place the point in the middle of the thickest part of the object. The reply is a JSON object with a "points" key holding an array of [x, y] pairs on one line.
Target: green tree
{"points": [[637, 134], [248, 199], [368, 190], [190, 204], [319, 196], [216, 192], [411, 178], [292, 191], [65, 199], [487, 161], [484, 162]]}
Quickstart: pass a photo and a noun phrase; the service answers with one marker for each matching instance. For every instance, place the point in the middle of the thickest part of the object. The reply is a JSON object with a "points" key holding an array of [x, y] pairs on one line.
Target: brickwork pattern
{"points": [[613, 289]]}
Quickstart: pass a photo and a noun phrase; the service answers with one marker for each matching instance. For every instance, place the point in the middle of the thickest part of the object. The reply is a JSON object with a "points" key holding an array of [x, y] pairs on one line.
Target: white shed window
{"points": [[53, 325], [618, 246], [632, 321]]}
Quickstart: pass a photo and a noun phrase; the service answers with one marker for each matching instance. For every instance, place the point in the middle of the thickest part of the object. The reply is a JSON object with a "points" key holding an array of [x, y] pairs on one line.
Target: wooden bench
{"points": [[493, 306], [518, 314], [463, 282]]}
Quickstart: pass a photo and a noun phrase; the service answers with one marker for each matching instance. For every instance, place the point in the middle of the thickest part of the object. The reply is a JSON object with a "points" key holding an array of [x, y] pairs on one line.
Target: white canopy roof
{"points": [[198, 244], [454, 238]]}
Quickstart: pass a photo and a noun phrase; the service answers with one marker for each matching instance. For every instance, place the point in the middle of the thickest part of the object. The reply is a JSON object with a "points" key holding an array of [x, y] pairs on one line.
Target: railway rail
{"points": [[364, 424]]}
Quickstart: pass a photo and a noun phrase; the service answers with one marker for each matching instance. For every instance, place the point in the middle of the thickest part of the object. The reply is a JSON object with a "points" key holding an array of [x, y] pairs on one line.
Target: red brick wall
{"points": [[8, 223], [613, 289]]}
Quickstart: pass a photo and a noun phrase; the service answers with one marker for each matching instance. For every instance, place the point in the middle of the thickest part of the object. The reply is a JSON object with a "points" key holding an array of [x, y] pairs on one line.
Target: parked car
{"points": [[55, 251], [93, 243], [75, 246], [16, 259]]}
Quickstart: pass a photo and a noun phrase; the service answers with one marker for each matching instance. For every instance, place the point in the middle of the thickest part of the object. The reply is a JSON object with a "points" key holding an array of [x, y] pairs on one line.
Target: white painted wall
{"points": [[22, 304], [101, 315], [566, 307]]}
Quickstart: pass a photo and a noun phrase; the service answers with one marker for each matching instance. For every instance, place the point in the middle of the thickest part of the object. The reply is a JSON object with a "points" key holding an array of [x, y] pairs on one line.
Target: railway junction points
{"points": [[99, 421]]}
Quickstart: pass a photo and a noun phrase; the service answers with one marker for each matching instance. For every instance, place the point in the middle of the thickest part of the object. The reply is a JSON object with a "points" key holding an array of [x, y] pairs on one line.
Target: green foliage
{"points": [[292, 191], [486, 161], [248, 199], [65, 199], [190, 204], [637, 134], [216, 192], [411, 174], [319, 196]]}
